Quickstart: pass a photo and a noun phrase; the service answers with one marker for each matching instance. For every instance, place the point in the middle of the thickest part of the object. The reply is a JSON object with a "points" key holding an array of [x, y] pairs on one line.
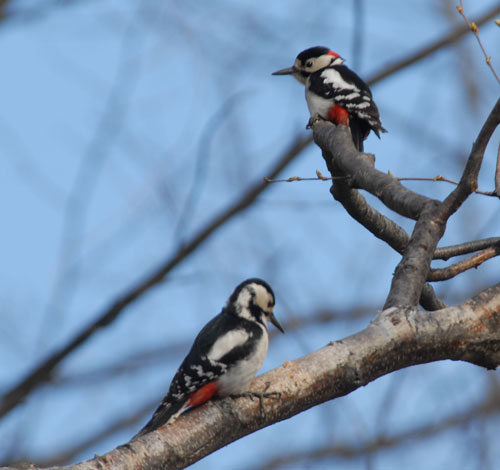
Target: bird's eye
{"points": [[309, 63]]}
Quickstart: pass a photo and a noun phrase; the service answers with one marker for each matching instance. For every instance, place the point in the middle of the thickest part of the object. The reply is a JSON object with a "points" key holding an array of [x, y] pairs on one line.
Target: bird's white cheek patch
{"points": [[226, 343]]}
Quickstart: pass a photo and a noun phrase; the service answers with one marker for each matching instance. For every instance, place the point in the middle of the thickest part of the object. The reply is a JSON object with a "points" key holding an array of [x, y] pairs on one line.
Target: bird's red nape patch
{"points": [[334, 54], [202, 395], [338, 115]]}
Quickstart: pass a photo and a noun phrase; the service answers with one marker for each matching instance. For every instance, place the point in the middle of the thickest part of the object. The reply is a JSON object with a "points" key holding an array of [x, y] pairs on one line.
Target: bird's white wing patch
{"points": [[226, 343], [335, 79]]}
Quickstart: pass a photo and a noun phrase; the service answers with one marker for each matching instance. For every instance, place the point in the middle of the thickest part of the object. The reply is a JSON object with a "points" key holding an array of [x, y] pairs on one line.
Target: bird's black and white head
{"points": [[254, 300], [309, 61]]}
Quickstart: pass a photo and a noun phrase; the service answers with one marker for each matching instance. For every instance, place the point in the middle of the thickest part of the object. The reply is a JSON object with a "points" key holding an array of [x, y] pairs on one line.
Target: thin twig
{"points": [[447, 252], [455, 269], [446, 180], [320, 177], [474, 28]]}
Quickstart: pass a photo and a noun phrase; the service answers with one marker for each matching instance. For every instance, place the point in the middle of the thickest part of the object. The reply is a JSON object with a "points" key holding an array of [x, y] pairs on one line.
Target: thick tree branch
{"points": [[343, 159], [468, 181], [160, 355], [396, 237], [397, 338], [429, 300], [383, 228], [138, 361], [431, 216], [411, 272], [43, 372], [379, 225]]}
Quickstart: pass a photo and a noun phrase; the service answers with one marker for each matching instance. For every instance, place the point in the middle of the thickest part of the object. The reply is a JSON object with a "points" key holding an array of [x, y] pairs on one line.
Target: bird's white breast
{"points": [[317, 104], [238, 376]]}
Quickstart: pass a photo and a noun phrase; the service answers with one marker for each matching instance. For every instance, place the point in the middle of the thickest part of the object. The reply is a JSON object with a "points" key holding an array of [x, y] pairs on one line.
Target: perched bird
{"points": [[336, 93], [226, 354]]}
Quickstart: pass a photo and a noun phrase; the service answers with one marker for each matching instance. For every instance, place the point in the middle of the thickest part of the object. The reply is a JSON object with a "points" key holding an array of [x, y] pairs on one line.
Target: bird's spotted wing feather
{"points": [[349, 91], [207, 360], [189, 379]]}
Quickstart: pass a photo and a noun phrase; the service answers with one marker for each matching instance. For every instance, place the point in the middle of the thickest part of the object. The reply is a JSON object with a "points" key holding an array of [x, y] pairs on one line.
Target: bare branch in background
{"points": [[452, 37], [473, 27], [3, 7], [107, 129], [489, 407], [43, 372], [12, 16]]}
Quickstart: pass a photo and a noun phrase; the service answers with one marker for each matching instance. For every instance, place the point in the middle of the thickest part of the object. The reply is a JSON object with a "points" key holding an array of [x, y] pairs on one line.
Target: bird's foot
{"points": [[260, 395], [313, 120]]}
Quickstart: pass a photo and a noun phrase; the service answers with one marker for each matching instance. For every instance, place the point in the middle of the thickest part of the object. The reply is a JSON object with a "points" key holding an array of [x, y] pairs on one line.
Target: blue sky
{"points": [[126, 126]]}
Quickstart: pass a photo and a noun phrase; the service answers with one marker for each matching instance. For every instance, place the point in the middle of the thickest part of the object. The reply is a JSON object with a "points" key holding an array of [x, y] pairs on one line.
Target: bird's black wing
{"points": [[197, 370], [341, 84]]}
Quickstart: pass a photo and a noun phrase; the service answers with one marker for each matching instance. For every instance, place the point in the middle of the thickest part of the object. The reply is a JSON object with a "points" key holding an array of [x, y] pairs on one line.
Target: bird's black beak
{"points": [[287, 71], [275, 322]]}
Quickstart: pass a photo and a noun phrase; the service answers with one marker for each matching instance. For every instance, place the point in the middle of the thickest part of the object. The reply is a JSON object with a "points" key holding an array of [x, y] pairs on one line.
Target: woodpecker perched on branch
{"points": [[225, 356], [336, 93]]}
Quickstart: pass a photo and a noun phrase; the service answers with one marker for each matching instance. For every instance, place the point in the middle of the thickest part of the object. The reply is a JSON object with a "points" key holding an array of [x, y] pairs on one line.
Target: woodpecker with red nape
{"points": [[336, 93], [225, 356]]}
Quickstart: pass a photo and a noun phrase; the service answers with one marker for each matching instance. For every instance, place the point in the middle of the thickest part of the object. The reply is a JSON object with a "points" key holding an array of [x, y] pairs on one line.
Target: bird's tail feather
{"points": [[165, 413], [358, 133]]}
